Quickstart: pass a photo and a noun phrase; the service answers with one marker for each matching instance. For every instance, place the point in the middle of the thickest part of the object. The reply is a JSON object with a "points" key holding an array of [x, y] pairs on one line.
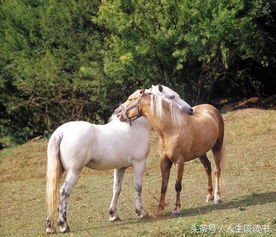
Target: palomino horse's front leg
{"points": [[178, 188], [117, 185], [165, 167], [139, 169], [70, 180], [207, 166]]}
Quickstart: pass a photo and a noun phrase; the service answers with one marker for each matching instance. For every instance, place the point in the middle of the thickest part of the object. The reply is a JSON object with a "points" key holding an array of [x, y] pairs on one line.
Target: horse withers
{"points": [[182, 137]]}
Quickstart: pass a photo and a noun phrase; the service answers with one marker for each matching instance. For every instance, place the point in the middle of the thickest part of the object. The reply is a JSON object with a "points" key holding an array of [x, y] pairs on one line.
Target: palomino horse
{"points": [[182, 137], [115, 145]]}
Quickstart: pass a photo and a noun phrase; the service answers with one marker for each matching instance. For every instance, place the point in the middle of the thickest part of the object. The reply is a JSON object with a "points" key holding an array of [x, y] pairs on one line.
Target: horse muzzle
{"points": [[122, 116]]}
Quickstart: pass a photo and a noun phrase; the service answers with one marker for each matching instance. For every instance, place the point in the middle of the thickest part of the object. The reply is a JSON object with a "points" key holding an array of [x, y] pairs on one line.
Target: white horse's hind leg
{"points": [[139, 169], [117, 185], [70, 180]]}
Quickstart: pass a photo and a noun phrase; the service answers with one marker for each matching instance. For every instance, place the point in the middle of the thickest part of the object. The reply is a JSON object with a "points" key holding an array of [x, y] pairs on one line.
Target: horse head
{"points": [[129, 110], [171, 96]]}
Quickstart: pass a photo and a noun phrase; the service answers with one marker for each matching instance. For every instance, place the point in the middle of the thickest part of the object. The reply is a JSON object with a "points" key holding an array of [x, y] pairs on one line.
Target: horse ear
{"points": [[142, 91], [160, 87]]}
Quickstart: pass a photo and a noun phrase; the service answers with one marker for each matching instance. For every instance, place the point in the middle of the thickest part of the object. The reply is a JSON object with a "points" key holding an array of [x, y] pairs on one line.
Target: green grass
{"points": [[249, 190]]}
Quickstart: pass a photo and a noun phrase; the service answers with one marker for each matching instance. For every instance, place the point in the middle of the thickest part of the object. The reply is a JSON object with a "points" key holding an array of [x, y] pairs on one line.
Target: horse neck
{"points": [[141, 123]]}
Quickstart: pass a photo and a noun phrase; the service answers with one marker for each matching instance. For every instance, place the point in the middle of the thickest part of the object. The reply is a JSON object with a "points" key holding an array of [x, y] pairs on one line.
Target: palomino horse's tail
{"points": [[223, 164], [220, 152], [54, 172]]}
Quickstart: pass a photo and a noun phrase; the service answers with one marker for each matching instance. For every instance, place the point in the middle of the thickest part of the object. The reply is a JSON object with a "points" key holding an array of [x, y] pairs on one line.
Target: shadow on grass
{"points": [[245, 201]]}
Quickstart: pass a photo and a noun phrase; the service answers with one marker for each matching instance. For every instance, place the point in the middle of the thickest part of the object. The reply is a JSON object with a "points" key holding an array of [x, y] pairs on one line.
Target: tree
{"points": [[52, 68], [189, 45], [78, 59]]}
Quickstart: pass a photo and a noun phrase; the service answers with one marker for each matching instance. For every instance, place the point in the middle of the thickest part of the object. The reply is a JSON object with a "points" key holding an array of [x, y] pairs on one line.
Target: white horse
{"points": [[115, 145]]}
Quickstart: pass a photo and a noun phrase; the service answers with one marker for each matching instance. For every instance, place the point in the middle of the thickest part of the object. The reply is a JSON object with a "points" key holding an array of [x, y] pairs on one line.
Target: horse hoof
{"points": [[50, 230], [65, 229], [159, 214], [217, 201], [209, 198], [143, 215], [176, 214], [114, 218]]}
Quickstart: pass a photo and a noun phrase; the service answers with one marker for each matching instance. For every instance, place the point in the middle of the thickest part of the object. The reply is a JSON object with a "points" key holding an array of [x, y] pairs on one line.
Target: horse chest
{"points": [[169, 148]]}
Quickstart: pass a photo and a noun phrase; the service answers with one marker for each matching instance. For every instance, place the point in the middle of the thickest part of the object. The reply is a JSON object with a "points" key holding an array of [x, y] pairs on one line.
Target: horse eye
{"points": [[172, 96]]}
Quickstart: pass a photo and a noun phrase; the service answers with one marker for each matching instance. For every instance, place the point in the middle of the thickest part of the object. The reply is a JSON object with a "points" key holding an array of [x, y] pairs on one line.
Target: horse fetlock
{"points": [[209, 198], [113, 215], [142, 213], [176, 213], [112, 211], [160, 212], [49, 228], [217, 201], [114, 218], [177, 208], [65, 228], [217, 198]]}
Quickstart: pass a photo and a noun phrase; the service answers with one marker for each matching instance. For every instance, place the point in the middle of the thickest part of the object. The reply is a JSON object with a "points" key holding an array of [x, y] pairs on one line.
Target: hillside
{"points": [[249, 193]]}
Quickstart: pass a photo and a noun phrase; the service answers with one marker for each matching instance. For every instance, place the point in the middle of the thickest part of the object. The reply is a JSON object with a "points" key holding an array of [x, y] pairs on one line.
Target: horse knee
{"points": [[178, 187]]}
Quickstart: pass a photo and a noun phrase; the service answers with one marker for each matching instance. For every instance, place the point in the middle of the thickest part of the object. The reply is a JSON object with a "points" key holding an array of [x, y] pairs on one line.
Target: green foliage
{"points": [[188, 45], [77, 59], [52, 70]]}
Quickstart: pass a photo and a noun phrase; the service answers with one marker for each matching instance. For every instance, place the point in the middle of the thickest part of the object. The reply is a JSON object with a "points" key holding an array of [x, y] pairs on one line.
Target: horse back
{"points": [[206, 128], [206, 112]]}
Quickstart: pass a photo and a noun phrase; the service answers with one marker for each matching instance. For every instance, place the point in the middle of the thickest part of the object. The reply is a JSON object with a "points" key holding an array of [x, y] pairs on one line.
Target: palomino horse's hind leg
{"points": [[117, 185], [139, 169], [207, 165], [178, 188], [70, 180], [165, 167], [217, 172]]}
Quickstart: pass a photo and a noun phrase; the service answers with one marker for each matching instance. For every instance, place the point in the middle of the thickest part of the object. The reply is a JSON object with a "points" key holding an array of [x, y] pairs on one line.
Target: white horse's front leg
{"points": [[117, 185], [139, 169]]}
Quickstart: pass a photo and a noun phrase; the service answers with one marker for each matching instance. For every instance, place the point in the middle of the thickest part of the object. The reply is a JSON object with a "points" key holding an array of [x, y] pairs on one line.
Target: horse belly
{"points": [[121, 150], [104, 163], [202, 146], [118, 158]]}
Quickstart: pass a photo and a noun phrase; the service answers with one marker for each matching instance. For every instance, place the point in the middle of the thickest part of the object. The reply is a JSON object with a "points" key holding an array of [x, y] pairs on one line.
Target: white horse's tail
{"points": [[53, 176]]}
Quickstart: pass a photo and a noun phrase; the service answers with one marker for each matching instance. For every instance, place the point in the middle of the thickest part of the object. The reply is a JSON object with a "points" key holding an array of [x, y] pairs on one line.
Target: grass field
{"points": [[249, 190]]}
